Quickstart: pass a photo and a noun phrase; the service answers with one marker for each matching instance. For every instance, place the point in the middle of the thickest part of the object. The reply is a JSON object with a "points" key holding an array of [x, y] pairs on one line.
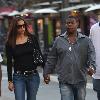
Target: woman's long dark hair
{"points": [[12, 33]]}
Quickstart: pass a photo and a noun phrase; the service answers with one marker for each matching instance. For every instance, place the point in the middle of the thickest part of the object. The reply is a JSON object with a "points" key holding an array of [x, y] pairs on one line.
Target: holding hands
{"points": [[10, 86], [47, 79], [90, 71]]}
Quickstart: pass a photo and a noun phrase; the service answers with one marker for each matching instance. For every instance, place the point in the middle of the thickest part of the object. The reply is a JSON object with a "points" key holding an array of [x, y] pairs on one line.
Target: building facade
{"points": [[48, 26]]}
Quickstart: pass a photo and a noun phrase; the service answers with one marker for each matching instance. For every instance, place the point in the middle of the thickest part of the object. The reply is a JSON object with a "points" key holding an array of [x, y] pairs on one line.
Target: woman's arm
{"points": [[9, 61]]}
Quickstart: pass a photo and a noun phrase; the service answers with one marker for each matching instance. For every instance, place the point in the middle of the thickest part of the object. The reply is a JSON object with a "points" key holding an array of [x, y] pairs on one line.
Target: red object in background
{"points": [[30, 28], [7, 9]]}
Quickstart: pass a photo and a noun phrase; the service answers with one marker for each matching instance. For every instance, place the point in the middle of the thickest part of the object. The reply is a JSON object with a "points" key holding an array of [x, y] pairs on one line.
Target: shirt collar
{"points": [[79, 35]]}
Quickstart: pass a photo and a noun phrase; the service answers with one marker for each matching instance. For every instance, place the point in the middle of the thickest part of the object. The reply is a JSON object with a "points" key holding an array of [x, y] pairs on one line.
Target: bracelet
{"points": [[92, 68]]}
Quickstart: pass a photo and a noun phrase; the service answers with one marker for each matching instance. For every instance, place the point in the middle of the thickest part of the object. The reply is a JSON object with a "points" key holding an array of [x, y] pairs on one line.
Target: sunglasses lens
{"points": [[20, 26]]}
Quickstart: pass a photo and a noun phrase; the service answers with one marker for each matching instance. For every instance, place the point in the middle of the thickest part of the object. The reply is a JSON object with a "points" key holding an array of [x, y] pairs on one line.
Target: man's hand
{"points": [[47, 79], [90, 71]]}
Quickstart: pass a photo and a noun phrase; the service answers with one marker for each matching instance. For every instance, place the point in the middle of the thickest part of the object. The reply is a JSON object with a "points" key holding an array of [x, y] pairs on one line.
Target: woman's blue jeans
{"points": [[26, 85], [72, 92]]}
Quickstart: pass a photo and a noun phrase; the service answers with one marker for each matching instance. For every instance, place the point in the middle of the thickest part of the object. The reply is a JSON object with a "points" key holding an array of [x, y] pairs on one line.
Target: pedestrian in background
{"points": [[95, 36], [19, 52], [0, 72], [72, 55]]}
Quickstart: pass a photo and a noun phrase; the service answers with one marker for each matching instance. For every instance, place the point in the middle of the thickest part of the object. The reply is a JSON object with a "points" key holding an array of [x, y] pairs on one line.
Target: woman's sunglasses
{"points": [[20, 26]]}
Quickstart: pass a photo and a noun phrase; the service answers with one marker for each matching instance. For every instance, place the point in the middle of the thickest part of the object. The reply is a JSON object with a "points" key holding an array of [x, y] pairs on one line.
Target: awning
{"points": [[6, 10], [47, 3], [27, 11], [93, 7], [41, 4], [46, 10], [5, 13], [13, 13], [75, 7]]}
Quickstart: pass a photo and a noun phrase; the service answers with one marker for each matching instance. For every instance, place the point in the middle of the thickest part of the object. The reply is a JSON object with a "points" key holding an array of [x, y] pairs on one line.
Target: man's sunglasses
{"points": [[20, 26]]}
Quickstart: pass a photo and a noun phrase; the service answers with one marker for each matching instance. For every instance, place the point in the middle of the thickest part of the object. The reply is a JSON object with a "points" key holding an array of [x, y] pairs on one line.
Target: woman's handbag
{"points": [[38, 59]]}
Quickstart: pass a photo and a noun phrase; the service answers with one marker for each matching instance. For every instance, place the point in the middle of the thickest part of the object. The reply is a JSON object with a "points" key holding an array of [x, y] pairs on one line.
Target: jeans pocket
{"points": [[17, 77]]}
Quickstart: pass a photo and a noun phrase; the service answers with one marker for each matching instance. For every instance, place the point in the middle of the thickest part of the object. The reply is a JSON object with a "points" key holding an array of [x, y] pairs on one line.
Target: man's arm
{"points": [[0, 78], [91, 58], [50, 64], [92, 69], [91, 33], [0, 72], [0, 68]]}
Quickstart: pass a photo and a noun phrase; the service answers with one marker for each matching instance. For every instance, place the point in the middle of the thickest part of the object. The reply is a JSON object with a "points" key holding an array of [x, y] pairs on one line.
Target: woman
{"points": [[19, 52], [0, 72]]}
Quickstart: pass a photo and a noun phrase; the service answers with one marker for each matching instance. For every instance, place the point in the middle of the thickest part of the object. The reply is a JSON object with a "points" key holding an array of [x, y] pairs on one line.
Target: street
{"points": [[46, 92]]}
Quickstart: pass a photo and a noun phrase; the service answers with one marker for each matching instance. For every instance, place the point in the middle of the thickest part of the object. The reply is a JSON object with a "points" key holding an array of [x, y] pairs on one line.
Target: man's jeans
{"points": [[73, 92], [30, 84]]}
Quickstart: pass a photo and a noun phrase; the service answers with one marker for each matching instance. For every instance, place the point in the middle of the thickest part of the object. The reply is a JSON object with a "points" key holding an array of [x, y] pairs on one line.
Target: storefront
{"points": [[47, 27]]}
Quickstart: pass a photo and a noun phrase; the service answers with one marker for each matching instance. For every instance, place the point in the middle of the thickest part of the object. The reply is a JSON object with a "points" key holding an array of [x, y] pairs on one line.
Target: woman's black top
{"points": [[20, 57]]}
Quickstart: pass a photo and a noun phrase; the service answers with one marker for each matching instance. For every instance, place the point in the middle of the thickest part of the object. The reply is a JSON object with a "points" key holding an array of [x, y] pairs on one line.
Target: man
{"points": [[72, 55], [0, 73], [95, 36]]}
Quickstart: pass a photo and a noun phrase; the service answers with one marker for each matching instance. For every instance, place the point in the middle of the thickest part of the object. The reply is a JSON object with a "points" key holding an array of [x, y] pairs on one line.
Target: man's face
{"points": [[71, 25]]}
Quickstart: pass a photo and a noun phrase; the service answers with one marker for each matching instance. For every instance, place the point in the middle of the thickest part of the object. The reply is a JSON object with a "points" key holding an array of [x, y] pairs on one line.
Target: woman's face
{"points": [[21, 27]]}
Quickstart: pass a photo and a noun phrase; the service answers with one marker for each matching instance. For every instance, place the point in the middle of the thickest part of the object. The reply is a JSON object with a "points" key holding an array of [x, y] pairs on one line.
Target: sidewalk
{"points": [[54, 90]]}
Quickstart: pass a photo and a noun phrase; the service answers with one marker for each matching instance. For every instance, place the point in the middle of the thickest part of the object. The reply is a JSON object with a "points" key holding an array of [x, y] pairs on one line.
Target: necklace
{"points": [[71, 42], [70, 48]]}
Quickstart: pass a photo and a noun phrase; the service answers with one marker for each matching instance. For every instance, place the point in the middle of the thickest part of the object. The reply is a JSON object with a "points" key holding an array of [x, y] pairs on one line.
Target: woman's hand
{"points": [[47, 79], [90, 71], [10, 86]]}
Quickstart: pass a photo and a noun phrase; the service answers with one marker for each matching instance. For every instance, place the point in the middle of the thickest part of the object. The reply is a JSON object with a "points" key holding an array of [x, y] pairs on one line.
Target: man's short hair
{"points": [[74, 17]]}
